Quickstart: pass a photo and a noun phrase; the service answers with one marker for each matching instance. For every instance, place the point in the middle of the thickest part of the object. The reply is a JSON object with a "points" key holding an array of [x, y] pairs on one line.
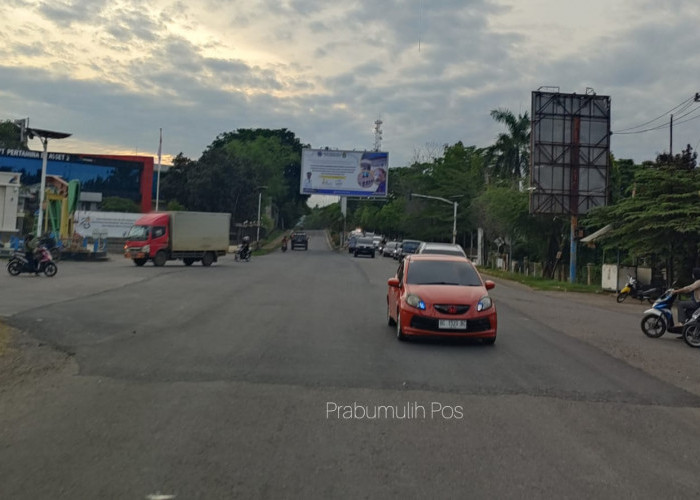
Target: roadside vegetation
{"points": [[653, 208], [542, 283]]}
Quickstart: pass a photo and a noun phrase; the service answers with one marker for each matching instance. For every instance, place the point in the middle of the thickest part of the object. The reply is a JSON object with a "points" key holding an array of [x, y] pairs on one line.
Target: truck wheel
{"points": [[207, 259], [188, 261], [140, 262], [160, 259]]}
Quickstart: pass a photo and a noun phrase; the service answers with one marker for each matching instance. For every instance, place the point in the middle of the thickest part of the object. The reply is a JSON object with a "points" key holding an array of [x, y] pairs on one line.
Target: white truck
{"points": [[189, 236]]}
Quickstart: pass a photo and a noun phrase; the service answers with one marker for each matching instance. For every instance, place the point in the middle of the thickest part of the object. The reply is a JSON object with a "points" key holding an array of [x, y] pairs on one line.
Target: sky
{"points": [[114, 72]]}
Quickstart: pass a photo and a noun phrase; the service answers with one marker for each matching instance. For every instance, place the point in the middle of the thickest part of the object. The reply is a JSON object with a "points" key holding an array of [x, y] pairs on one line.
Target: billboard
{"points": [[107, 224], [344, 173], [128, 177], [570, 152]]}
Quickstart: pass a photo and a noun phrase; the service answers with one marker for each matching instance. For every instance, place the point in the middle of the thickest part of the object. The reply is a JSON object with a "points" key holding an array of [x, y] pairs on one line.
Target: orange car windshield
{"points": [[442, 273]]}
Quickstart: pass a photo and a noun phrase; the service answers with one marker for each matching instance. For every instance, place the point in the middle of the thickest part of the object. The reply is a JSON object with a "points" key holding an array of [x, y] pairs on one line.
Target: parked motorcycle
{"points": [[659, 319], [43, 263], [632, 289]]}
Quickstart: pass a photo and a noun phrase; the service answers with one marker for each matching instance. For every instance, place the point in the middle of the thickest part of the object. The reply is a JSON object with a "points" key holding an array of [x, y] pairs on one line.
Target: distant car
{"points": [[397, 250], [300, 240], [389, 248], [377, 241], [441, 248], [364, 246], [408, 247], [440, 295]]}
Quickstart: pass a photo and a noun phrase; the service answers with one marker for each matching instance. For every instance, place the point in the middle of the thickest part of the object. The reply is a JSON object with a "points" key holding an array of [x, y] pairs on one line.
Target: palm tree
{"points": [[509, 157]]}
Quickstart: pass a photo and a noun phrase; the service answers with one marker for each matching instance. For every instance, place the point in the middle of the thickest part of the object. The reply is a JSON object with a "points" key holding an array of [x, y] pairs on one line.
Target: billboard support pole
{"points": [[572, 250], [344, 211], [575, 158]]}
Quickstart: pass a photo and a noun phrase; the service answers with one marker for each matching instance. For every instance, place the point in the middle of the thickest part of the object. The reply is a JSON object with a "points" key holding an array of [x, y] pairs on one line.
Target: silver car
{"points": [[442, 248]]}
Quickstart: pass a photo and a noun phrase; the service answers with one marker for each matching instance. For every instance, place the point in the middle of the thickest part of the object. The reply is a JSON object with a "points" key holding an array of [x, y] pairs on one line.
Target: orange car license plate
{"points": [[453, 324]]}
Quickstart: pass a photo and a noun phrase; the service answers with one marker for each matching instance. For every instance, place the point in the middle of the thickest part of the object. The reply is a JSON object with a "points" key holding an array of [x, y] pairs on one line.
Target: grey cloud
{"points": [[128, 24], [78, 11]]}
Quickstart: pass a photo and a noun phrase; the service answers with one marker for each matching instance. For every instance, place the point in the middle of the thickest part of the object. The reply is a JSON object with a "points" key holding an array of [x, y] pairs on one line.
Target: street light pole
{"points": [[453, 203], [44, 136], [454, 224]]}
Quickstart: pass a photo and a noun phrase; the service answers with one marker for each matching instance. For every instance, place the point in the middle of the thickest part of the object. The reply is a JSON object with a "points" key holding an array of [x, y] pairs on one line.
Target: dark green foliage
{"points": [[116, 204], [234, 169], [10, 136], [660, 216], [509, 158]]}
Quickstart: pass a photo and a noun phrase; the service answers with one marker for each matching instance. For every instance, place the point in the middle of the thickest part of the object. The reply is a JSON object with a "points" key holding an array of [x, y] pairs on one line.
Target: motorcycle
{"points": [[43, 263], [691, 329], [243, 254], [284, 246], [50, 243], [632, 289], [659, 319]]}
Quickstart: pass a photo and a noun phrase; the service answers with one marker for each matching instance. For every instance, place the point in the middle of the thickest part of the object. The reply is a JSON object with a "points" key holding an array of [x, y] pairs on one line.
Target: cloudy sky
{"points": [[113, 72]]}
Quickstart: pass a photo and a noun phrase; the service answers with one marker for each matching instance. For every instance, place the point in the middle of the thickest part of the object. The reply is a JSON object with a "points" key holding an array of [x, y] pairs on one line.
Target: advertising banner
{"points": [[108, 224], [344, 173]]}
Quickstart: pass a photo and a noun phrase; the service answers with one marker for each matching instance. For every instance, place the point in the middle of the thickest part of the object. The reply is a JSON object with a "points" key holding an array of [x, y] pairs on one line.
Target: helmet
{"points": [[246, 239]]}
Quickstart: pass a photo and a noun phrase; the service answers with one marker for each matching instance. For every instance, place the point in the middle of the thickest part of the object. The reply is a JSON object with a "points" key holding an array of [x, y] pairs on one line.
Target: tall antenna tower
{"points": [[378, 135]]}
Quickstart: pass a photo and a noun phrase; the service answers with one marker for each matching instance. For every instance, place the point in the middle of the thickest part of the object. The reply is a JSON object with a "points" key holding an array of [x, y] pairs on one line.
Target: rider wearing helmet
{"points": [[686, 307], [245, 246], [31, 243]]}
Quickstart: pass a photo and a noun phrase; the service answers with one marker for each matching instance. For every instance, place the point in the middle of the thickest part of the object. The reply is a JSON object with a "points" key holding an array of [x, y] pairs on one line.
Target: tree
{"points": [[686, 160], [660, 217], [117, 204], [173, 186], [509, 157], [233, 170], [10, 136]]}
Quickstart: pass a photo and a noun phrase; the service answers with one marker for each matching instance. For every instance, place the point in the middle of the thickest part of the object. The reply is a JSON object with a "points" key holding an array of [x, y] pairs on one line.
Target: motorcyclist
{"points": [[245, 247], [686, 307], [284, 242], [31, 244]]}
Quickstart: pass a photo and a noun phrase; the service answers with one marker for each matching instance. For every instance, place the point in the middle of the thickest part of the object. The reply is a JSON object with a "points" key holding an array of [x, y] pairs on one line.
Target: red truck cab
{"points": [[147, 237]]}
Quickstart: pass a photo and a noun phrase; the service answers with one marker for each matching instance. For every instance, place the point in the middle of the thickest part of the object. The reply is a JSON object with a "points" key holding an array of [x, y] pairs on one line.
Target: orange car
{"points": [[443, 295]]}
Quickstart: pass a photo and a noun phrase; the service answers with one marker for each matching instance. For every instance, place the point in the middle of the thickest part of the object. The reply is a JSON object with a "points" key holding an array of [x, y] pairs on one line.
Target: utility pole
{"points": [[670, 147]]}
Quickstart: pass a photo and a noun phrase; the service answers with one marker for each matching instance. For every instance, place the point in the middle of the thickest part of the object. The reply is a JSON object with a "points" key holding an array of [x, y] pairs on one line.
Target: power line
{"points": [[686, 102], [677, 121]]}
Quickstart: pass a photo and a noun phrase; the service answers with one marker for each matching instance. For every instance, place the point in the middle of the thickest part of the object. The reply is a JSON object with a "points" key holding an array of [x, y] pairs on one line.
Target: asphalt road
{"points": [[279, 378]]}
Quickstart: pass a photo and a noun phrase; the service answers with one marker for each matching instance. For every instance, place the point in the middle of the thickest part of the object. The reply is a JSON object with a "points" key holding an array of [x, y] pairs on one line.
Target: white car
{"points": [[442, 248], [389, 248]]}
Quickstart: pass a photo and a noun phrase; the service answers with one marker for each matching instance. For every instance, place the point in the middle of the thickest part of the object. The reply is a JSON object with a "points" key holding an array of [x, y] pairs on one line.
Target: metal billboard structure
{"points": [[570, 153]]}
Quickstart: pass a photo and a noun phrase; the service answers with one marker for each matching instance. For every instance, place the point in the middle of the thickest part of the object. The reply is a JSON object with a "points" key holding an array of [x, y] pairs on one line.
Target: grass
{"points": [[542, 283]]}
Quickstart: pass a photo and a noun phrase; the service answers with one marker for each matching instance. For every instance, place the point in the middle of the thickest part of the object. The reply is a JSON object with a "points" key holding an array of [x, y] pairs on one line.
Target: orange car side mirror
{"points": [[394, 282], [489, 284]]}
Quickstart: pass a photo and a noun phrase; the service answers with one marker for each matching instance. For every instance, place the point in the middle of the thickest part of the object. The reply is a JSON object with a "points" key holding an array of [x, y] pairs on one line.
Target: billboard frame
{"points": [[570, 152]]}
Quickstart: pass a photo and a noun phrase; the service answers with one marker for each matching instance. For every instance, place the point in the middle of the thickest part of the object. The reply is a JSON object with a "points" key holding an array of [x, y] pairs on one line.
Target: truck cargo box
{"points": [[200, 231]]}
